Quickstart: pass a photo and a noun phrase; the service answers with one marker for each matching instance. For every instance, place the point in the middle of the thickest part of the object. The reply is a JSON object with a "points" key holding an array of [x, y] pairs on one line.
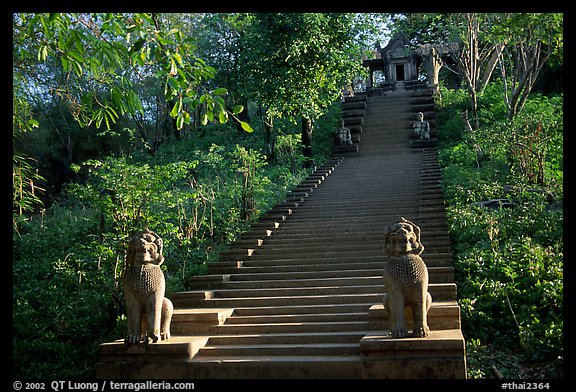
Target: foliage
{"points": [[133, 79], [98, 46], [94, 66], [192, 194], [508, 261], [25, 189], [299, 62], [531, 40], [59, 313]]}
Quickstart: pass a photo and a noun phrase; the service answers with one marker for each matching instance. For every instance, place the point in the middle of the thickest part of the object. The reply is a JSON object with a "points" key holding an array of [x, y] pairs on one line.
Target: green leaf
{"points": [[77, 68], [245, 126], [204, 119], [173, 82], [112, 113], [176, 109], [220, 91], [42, 53], [223, 117], [237, 109], [220, 101], [33, 123], [137, 45], [76, 56], [180, 122], [65, 64], [141, 59], [178, 58]]}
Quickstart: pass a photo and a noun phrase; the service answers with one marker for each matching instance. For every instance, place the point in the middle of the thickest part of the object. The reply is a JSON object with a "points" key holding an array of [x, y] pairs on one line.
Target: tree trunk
{"points": [[269, 139], [479, 152], [173, 121], [474, 106], [433, 63], [307, 141]]}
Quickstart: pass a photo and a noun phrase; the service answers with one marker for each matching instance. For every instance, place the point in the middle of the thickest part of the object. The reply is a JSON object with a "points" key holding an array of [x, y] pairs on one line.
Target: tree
{"points": [[298, 65], [221, 42], [432, 36], [533, 39], [478, 54], [92, 63]]}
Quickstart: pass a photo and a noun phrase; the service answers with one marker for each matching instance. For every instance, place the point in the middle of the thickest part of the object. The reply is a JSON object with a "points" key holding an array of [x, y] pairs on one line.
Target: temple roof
{"points": [[395, 48], [398, 39]]}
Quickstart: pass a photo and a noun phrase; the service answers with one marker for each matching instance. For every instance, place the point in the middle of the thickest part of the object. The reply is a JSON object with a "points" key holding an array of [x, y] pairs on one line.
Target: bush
{"points": [[68, 263], [508, 261]]}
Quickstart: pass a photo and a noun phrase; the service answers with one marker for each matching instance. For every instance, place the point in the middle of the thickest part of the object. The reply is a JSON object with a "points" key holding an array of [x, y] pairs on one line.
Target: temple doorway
{"points": [[399, 72]]}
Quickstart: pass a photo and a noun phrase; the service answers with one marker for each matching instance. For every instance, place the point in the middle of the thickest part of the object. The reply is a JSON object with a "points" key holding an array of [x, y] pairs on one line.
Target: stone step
{"points": [[327, 199], [312, 279], [303, 309], [355, 98], [299, 318], [441, 289], [349, 199], [237, 329], [406, 358], [177, 348], [271, 367], [319, 250], [353, 121], [291, 243], [306, 349], [356, 112], [338, 239], [287, 338], [353, 105], [315, 262], [442, 315], [312, 264], [271, 255], [336, 233], [282, 297], [350, 277]]}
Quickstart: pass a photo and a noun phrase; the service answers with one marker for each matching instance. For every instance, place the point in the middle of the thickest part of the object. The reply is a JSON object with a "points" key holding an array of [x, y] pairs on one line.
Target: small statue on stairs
{"points": [[149, 313], [421, 127], [405, 279], [343, 135]]}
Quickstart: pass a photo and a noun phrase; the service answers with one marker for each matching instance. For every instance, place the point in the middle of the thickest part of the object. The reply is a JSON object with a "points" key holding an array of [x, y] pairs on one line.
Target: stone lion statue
{"points": [[405, 279], [149, 313]]}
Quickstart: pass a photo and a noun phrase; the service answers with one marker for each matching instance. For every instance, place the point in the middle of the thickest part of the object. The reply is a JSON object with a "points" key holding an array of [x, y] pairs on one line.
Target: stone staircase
{"points": [[299, 296]]}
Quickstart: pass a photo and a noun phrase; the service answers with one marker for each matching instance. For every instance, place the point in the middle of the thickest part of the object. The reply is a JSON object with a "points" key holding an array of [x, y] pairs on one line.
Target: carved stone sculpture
{"points": [[149, 313], [406, 279], [343, 135], [421, 127]]}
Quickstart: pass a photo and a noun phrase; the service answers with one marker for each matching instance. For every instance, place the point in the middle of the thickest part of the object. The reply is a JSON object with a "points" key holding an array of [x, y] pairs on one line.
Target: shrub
{"points": [[508, 261], [68, 263]]}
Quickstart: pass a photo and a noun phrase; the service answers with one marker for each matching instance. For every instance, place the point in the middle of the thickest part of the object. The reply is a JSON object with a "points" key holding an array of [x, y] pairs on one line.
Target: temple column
{"points": [[370, 82]]}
